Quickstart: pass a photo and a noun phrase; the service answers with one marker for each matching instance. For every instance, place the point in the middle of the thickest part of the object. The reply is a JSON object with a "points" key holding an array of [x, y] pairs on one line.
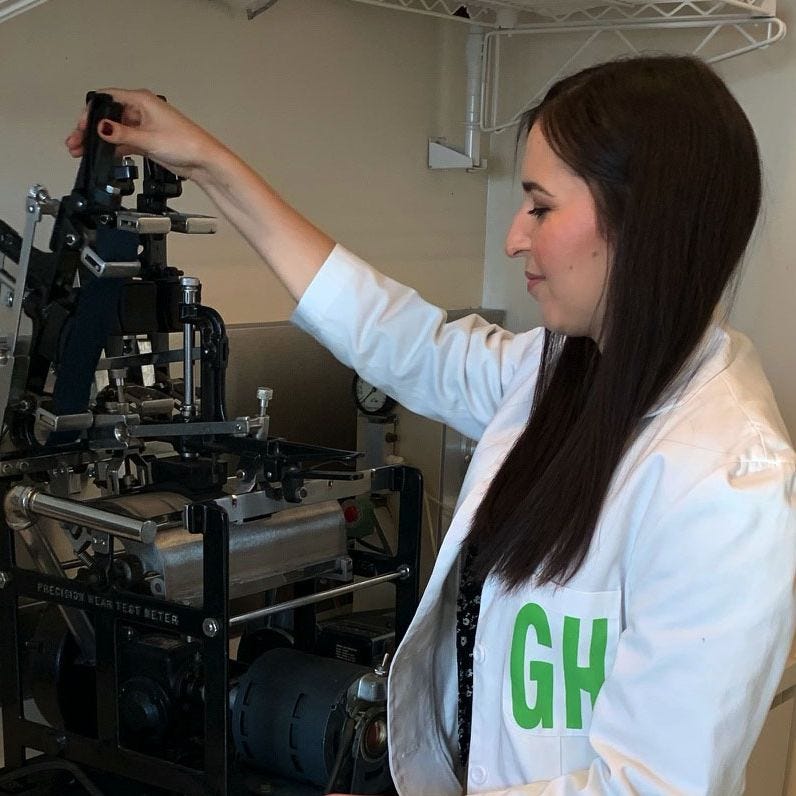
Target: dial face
{"points": [[371, 400]]}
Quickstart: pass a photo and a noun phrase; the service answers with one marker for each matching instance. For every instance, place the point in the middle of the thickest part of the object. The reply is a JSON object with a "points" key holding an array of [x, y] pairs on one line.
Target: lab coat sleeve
{"points": [[709, 621], [453, 372]]}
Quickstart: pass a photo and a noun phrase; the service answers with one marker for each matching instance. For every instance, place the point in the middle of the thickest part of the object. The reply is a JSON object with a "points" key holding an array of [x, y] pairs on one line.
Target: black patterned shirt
{"points": [[468, 606]]}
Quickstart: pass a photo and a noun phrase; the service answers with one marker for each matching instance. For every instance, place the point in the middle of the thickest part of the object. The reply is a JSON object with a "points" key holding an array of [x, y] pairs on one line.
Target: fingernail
{"points": [[106, 128]]}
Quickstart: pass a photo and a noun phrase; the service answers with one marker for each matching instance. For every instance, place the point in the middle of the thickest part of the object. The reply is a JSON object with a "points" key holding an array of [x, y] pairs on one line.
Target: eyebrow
{"points": [[534, 186]]}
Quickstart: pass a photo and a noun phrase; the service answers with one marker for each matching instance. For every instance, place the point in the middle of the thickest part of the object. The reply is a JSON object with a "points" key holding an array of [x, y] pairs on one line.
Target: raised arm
{"points": [[293, 247], [456, 373]]}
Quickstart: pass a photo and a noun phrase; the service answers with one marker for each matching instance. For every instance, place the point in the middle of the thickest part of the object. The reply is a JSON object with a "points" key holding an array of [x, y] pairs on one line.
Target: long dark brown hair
{"points": [[672, 163]]}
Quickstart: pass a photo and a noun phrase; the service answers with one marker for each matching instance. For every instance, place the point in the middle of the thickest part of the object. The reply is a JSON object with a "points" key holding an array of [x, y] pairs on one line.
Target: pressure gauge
{"points": [[371, 400]]}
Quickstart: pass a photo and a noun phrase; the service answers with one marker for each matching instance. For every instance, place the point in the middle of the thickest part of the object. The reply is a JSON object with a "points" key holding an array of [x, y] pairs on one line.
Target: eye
{"points": [[539, 212]]}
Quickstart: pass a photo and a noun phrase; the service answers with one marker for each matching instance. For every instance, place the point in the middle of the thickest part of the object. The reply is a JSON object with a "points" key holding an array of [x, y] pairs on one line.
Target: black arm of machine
{"points": [[145, 529]]}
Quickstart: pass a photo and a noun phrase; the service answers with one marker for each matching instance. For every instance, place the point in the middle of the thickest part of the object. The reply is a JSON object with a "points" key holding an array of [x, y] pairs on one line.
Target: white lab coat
{"points": [[680, 620]]}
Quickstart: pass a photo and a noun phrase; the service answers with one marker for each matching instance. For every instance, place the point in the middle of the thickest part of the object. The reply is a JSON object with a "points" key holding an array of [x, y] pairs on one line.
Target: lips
{"points": [[533, 279]]}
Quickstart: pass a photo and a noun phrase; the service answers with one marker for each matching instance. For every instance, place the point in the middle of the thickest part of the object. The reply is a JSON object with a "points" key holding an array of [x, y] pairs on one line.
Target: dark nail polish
{"points": [[106, 128]]}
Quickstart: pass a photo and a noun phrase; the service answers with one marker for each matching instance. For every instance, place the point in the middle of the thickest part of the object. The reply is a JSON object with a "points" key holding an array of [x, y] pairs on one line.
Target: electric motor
{"points": [[313, 719]]}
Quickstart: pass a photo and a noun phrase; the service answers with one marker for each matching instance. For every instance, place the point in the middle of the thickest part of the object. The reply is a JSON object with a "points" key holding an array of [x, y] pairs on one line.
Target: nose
{"points": [[518, 240]]}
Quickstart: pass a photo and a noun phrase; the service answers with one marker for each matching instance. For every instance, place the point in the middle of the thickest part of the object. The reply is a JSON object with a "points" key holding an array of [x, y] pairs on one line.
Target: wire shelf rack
{"points": [[720, 29], [519, 13]]}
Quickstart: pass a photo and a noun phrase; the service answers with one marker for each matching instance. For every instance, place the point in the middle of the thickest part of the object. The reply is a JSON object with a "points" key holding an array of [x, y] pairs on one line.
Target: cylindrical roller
{"points": [[262, 553]]}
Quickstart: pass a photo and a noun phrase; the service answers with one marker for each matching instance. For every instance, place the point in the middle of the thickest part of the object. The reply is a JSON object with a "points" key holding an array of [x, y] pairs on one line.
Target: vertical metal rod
{"points": [[215, 606], [190, 290]]}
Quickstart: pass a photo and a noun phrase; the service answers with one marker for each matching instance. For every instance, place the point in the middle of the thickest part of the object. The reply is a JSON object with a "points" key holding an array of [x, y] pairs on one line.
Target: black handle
{"points": [[96, 172]]}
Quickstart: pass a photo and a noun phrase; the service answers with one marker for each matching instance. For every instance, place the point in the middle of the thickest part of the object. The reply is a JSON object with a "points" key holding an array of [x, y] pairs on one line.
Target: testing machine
{"points": [[144, 529]]}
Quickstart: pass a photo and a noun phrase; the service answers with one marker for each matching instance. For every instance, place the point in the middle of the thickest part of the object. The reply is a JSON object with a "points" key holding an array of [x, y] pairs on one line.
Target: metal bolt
{"points": [[264, 395], [302, 493], [80, 204], [24, 466], [7, 468], [70, 238], [5, 579], [10, 299], [382, 668], [210, 628]]}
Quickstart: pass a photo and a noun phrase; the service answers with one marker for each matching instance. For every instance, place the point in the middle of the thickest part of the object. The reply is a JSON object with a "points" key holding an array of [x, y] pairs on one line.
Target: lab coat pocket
{"points": [[561, 648]]}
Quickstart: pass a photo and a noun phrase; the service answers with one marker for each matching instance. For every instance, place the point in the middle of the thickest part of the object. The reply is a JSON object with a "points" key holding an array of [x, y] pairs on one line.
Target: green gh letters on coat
{"points": [[532, 618]]}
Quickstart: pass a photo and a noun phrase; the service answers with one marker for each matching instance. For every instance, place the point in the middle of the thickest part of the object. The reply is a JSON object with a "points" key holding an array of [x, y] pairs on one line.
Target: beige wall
{"points": [[763, 81], [330, 99]]}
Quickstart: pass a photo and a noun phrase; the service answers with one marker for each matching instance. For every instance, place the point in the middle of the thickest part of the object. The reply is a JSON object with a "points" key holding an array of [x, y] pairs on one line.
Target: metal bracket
{"points": [[100, 267]]}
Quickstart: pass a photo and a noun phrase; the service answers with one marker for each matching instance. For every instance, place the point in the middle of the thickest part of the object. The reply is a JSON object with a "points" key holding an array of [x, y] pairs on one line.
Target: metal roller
{"points": [[263, 553]]}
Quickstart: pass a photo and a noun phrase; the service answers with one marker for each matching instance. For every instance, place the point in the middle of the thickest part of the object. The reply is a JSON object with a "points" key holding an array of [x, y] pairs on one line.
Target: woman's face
{"points": [[556, 233]]}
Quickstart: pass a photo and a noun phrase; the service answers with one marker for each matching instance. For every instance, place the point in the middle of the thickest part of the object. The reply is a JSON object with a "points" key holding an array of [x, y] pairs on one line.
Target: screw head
{"points": [[210, 628], [264, 393], [70, 238]]}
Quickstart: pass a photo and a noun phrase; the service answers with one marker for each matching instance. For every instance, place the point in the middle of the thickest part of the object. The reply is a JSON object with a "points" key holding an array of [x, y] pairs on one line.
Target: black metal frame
{"points": [[108, 609]]}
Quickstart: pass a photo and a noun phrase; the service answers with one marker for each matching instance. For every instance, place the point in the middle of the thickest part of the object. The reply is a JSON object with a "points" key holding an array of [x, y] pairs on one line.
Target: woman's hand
{"points": [[151, 127]]}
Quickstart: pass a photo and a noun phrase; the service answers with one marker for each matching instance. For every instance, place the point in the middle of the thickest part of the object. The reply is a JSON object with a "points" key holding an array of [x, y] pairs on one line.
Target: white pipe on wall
{"points": [[474, 58]]}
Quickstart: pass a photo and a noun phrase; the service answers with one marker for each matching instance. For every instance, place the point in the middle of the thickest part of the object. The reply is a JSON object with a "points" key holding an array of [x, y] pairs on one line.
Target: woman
{"points": [[612, 607]]}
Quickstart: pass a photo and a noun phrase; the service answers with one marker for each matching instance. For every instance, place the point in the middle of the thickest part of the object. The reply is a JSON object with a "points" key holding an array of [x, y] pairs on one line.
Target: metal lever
{"points": [[193, 224], [100, 267], [23, 501], [143, 223]]}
